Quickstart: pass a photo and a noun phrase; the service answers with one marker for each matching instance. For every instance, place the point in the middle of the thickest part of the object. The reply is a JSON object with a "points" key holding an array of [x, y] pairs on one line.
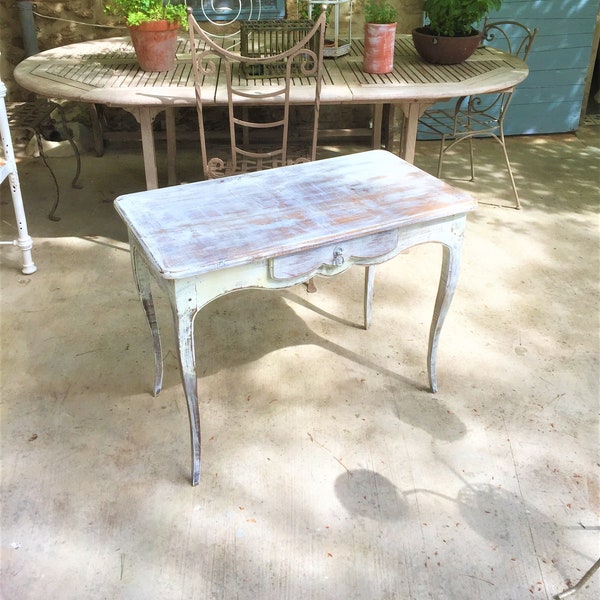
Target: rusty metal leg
{"points": [[311, 287]]}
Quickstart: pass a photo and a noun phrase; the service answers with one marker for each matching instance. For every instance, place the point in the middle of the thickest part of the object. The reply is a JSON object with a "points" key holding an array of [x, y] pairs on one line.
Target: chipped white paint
{"points": [[8, 170], [276, 228]]}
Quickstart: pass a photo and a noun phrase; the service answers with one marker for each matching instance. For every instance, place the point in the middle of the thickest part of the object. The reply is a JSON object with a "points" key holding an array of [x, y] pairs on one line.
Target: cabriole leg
{"points": [[184, 328], [368, 300], [448, 280], [143, 281]]}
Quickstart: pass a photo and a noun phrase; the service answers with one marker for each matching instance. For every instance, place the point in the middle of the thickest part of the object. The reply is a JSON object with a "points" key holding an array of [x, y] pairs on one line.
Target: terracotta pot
{"points": [[443, 50], [155, 44], [379, 47]]}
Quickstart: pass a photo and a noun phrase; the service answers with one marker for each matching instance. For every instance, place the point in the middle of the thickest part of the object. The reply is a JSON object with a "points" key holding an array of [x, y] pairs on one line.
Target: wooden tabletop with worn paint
{"points": [[215, 224]]}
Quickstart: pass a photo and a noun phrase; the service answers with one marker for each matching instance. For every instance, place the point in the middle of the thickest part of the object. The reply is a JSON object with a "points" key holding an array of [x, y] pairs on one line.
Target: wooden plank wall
{"points": [[550, 99]]}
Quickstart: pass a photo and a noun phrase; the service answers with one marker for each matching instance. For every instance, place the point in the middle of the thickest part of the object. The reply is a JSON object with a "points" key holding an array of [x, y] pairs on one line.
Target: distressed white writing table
{"points": [[106, 72], [277, 228]]}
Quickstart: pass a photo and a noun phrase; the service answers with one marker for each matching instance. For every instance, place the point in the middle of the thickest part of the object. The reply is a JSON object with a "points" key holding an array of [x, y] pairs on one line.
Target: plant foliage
{"points": [[142, 11], [380, 11], [456, 17]]}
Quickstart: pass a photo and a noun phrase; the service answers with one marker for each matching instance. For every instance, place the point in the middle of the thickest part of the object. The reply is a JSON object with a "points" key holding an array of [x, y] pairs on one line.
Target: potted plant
{"points": [[153, 26], [380, 36], [449, 36]]}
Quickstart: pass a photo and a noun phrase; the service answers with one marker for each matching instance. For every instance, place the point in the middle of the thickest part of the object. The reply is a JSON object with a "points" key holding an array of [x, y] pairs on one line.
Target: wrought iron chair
{"points": [[262, 76], [481, 116], [35, 118]]}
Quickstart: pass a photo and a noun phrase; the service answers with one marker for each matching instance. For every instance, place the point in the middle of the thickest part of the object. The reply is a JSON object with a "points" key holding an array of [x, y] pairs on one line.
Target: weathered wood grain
{"points": [[199, 227]]}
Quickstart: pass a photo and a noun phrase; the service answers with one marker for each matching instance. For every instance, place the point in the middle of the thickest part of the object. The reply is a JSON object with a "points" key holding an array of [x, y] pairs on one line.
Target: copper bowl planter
{"points": [[445, 50]]}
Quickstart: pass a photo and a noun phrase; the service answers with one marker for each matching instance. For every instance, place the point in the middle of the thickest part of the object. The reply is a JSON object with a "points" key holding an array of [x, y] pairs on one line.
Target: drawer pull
{"points": [[338, 258], [336, 255]]}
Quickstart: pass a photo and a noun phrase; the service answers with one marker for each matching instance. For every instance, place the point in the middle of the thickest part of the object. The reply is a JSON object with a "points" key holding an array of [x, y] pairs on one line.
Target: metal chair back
{"points": [[258, 97], [482, 115], [510, 36]]}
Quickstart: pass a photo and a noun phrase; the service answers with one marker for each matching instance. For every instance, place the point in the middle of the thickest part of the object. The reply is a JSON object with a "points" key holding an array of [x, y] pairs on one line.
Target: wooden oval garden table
{"points": [[106, 72]]}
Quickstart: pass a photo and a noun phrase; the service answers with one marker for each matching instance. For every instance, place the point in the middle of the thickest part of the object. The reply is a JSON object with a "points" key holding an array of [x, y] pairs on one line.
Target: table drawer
{"points": [[333, 255]]}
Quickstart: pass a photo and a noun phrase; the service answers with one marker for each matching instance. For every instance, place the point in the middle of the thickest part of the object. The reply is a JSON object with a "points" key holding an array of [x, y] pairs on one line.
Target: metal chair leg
{"points": [[500, 139], [441, 156], [69, 136], [32, 116], [509, 169], [472, 158], [40, 144], [575, 588], [311, 287]]}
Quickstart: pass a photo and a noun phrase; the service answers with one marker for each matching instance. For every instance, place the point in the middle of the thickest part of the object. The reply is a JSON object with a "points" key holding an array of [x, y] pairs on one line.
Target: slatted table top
{"points": [[106, 72]]}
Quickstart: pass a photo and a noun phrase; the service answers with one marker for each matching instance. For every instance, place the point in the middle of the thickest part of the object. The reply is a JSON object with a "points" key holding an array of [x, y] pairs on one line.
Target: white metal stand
{"points": [[338, 35], [9, 170]]}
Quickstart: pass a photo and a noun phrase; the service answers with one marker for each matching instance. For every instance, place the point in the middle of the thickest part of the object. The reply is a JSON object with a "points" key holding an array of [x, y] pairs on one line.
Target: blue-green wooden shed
{"points": [[563, 65], [555, 95]]}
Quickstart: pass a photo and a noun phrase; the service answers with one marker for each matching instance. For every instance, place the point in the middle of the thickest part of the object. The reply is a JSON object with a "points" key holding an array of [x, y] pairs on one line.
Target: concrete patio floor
{"points": [[329, 470]]}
